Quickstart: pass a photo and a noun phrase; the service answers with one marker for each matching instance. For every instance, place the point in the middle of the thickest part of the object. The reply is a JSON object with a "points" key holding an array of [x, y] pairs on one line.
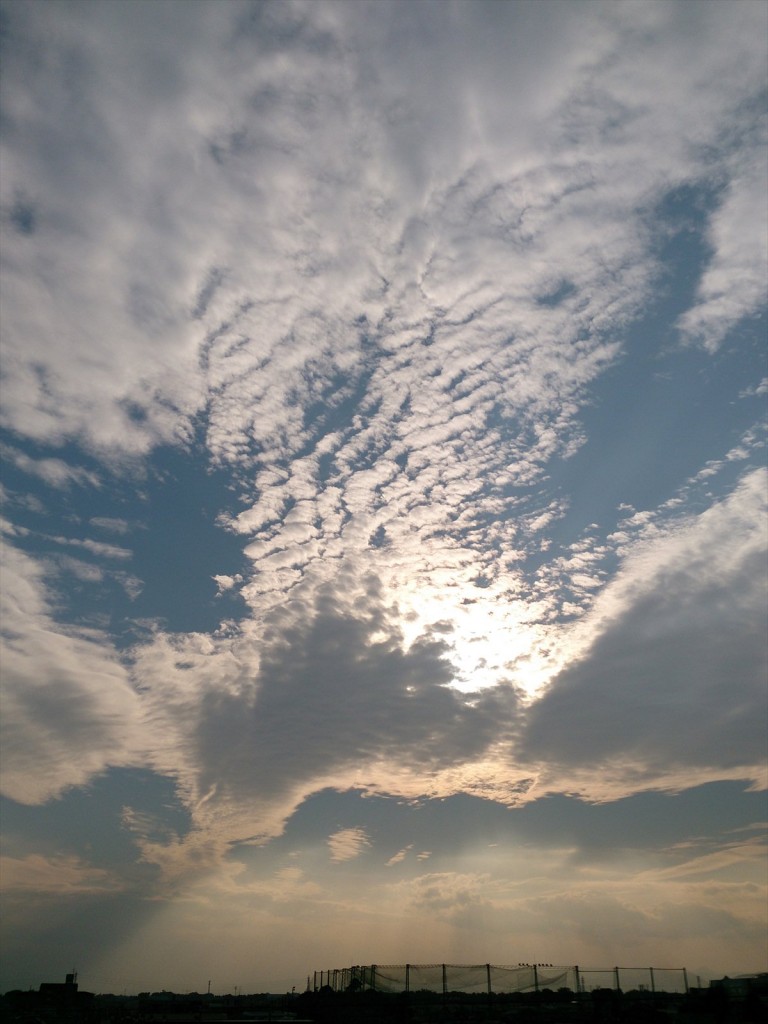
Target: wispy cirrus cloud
{"points": [[56, 875], [735, 284], [347, 843], [55, 472], [94, 547], [111, 524]]}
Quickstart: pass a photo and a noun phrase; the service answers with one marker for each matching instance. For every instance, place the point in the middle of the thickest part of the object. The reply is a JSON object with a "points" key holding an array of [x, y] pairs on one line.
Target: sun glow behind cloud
{"points": [[490, 639]]}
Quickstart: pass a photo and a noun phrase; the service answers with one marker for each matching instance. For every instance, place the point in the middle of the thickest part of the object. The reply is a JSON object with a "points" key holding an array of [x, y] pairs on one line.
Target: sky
{"points": [[384, 488]]}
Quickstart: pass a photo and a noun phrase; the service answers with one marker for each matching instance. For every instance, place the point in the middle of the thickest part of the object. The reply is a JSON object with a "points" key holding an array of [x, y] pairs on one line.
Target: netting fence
{"points": [[492, 978]]}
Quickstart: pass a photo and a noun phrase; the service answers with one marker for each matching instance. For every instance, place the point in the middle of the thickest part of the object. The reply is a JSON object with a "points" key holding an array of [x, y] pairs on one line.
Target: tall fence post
{"points": [[578, 979], [488, 978], [445, 982], [685, 980], [535, 978], [373, 977], [407, 978], [653, 982], [616, 975]]}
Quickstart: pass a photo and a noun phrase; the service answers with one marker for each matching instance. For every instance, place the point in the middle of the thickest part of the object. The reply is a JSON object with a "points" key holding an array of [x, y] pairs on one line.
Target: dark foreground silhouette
{"points": [[602, 1006], [714, 1005]]}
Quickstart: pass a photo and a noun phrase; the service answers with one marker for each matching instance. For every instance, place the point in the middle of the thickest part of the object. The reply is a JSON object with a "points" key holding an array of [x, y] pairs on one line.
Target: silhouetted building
{"points": [[743, 985], [65, 990], [63, 1000]]}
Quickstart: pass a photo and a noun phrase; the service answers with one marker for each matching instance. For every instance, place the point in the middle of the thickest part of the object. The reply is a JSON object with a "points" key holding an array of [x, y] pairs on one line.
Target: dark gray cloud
{"points": [[677, 678], [336, 689]]}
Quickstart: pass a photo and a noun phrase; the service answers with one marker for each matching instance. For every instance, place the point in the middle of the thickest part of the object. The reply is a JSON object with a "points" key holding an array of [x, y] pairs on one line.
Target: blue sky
{"points": [[383, 437]]}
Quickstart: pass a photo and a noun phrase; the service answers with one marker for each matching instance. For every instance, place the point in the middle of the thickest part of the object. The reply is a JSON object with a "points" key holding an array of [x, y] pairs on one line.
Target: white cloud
{"points": [[55, 472], [85, 571], [400, 856], [735, 283], [348, 843], [131, 584], [448, 893], [69, 710], [111, 524], [758, 390], [225, 583], [95, 547], [62, 875], [309, 191]]}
